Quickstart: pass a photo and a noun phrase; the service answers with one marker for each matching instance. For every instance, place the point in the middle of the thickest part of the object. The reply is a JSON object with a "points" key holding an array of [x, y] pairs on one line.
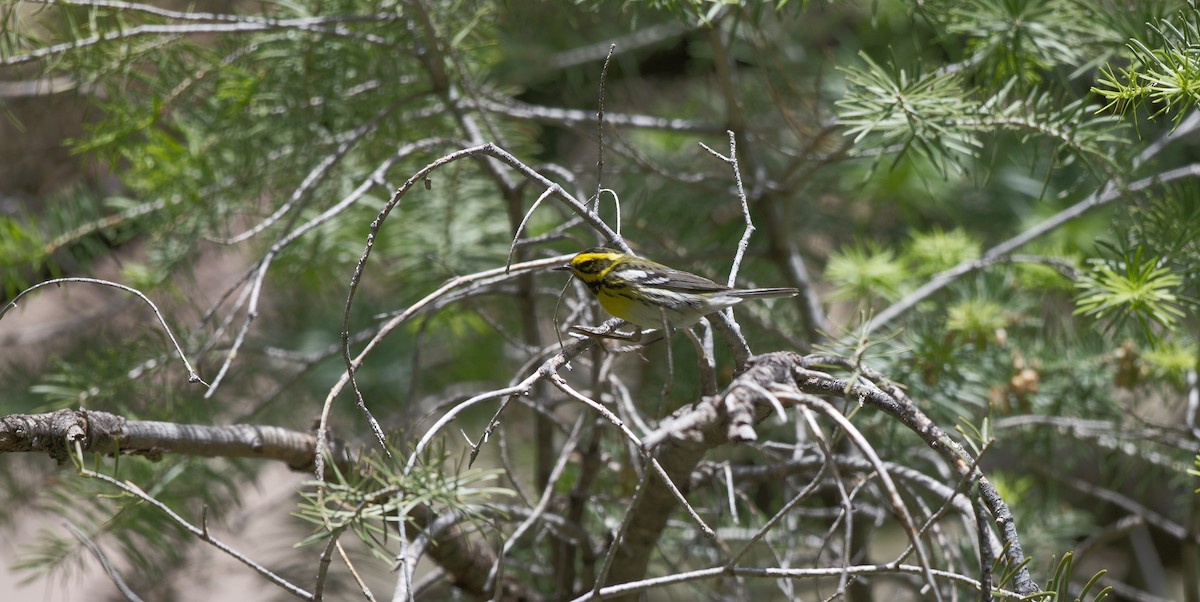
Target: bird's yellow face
{"points": [[592, 265]]}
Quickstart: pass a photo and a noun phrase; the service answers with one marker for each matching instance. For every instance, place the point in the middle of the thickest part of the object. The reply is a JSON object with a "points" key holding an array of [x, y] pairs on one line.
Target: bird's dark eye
{"points": [[587, 266]]}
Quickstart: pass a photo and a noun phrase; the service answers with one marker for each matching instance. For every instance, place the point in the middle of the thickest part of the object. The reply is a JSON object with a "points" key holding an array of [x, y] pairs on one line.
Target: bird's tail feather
{"points": [[767, 293]]}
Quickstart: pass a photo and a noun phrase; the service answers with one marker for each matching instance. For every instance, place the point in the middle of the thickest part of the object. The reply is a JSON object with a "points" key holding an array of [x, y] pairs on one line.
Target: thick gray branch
{"points": [[102, 432]]}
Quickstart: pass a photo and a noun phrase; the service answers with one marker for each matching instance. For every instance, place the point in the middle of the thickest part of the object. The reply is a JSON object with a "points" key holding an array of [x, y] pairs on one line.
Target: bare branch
{"points": [[105, 433], [1109, 193], [193, 377], [201, 534], [109, 569], [174, 31], [643, 585]]}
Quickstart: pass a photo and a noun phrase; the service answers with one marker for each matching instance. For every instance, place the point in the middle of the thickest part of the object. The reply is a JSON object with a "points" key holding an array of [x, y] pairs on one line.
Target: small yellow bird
{"points": [[649, 294]]}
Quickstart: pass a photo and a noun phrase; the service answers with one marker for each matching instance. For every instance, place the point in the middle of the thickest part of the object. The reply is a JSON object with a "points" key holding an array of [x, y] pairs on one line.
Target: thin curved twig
{"points": [[201, 533], [109, 569], [193, 377], [643, 585]]}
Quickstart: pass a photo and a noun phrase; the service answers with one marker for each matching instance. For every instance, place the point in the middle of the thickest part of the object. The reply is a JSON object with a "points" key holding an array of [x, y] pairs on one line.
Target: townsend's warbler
{"points": [[647, 293]]}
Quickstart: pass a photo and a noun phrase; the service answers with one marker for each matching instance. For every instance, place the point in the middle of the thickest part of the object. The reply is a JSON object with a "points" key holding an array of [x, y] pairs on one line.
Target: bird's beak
{"points": [[561, 268]]}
